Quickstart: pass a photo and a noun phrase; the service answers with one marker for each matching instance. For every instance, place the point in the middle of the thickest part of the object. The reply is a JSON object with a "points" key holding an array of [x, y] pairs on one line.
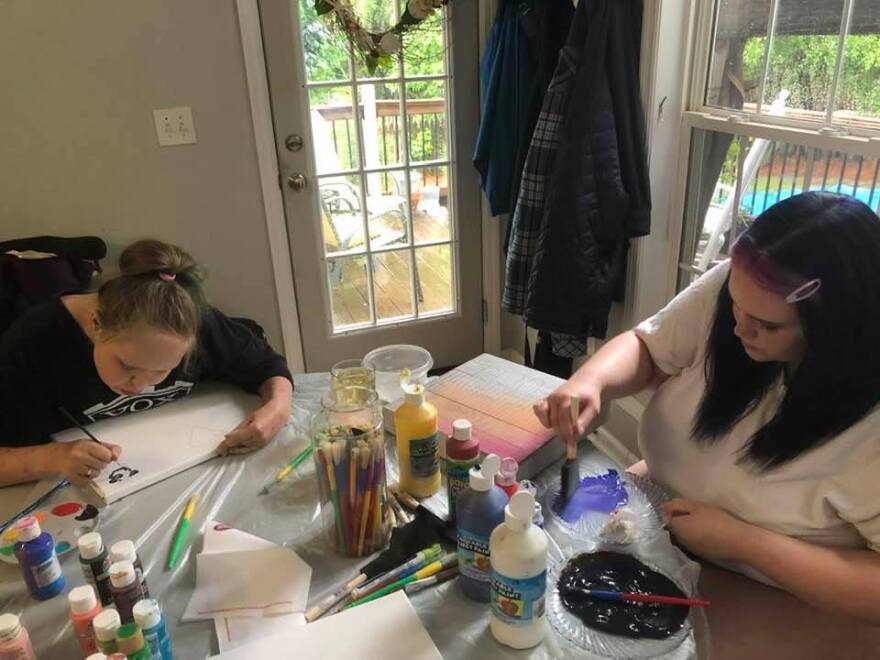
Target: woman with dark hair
{"points": [[764, 423]]}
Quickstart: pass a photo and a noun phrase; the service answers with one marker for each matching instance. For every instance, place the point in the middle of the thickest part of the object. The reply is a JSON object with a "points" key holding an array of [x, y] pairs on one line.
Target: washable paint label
{"points": [[518, 602], [457, 479], [423, 452], [46, 572], [473, 555]]}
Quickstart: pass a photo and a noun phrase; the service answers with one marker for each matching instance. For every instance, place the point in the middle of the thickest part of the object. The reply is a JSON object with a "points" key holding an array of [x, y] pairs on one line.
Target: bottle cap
{"points": [[414, 394], [97, 656], [519, 511], [82, 599], [28, 529], [90, 545], [116, 656], [129, 639], [10, 627], [122, 574], [482, 478], [461, 430], [507, 474], [123, 551], [146, 613], [106, 624]]}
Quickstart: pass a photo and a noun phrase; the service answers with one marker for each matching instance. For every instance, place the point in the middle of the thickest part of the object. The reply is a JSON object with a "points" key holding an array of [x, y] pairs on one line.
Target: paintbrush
{"points": [[82, 428], [644, 598], [570, 474]]}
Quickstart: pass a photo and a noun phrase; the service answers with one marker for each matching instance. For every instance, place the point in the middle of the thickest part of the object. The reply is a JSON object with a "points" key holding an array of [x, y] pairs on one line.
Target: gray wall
{"points": [[78, 149]]}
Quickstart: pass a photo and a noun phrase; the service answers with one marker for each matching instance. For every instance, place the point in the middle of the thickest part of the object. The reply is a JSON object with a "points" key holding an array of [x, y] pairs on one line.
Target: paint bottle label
{"points": [[518, 602], [153, 641], [46, 572], [457, 478], [423, 460], [473, 555]]}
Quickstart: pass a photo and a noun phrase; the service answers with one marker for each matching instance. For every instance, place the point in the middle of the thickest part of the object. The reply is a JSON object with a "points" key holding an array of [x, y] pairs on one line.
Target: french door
{"points": [[381, 199]]}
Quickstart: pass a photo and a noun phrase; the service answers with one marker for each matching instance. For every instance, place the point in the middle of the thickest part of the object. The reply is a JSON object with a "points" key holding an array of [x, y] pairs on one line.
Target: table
{"points": [[747, 619]]}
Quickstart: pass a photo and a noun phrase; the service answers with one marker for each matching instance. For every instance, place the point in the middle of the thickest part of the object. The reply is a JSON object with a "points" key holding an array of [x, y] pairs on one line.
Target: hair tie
{"points": [[167, 277]]}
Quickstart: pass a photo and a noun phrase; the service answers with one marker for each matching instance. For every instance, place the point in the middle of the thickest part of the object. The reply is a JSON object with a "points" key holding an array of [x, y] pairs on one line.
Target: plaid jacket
{"points": [[526, 221]]}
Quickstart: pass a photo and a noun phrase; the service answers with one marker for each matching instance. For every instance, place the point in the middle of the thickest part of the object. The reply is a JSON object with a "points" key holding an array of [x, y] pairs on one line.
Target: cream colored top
{"points": [[829, 496]]}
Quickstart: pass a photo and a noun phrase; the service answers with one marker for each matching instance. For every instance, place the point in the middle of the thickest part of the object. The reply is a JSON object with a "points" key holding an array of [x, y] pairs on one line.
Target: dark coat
{"points": [[598, 196]]}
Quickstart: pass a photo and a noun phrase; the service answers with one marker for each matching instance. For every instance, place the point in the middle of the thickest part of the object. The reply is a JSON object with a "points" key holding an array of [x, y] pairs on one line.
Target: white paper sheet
{"points": [[232, 633], [223, 538], [249, 583], [384, 629], [163, 441]]}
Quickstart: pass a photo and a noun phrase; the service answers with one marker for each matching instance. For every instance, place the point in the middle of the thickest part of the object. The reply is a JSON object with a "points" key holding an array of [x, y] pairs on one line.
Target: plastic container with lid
{"points": [[480, 510], [106, 624], [518, 552], [418, 444], [125, 551], [95, 563], [130, 640], [84, 607], [35, 551], [149, 617], [15, 643], [389, 361], [462, 453]]}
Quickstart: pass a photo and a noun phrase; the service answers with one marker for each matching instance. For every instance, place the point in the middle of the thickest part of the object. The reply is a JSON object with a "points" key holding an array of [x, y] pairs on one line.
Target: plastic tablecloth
{"points": [[227, 489]]}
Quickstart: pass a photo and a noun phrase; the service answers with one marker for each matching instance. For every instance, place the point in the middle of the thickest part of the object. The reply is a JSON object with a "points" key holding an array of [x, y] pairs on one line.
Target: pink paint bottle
{"points": [[15, 643], [84, 607], [506, 477]]}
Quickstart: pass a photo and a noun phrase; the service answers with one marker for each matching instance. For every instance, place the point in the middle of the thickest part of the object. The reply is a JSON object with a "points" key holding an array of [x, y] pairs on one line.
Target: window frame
{"points": [[697, 114]]}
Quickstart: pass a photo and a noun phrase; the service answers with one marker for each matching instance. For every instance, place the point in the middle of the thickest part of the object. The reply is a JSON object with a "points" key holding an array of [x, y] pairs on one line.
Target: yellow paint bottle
{"points": [[418, 444]]}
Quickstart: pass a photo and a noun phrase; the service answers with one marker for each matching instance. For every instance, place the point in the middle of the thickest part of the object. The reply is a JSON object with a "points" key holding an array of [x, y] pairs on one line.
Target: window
{"points": [[382, 157], [785, 97]]}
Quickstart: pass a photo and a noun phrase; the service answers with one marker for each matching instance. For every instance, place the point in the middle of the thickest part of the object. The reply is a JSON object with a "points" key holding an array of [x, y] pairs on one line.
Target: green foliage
{"points": [[804, 65]]}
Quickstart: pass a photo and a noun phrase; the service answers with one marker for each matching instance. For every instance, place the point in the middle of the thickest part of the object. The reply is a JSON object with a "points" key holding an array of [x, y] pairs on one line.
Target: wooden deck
{"points": [[392, 279]]}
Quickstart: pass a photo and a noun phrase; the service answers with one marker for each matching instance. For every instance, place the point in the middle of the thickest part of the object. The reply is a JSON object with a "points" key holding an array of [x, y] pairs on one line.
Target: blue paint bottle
{"points": [[149, 617], [479, 510], [35, 551]]}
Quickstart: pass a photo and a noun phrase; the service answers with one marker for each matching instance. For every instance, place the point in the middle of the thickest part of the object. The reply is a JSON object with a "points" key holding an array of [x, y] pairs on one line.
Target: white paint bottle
{"points": [[518, 553]]}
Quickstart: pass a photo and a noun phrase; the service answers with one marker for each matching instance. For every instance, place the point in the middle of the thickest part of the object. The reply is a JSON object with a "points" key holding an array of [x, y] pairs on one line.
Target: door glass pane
{"points": [[349, 291], [326, 49], [427, 120], [392, 284], [377, 16], [802, 57], [424, 51], [341, 219], [858, 94], [381, 124], [429, 204], [333, 129], [434, 279], [386, 209]]}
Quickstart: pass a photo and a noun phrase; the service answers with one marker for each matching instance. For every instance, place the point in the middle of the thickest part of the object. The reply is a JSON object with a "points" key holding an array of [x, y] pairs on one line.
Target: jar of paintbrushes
{"points": [[349, 451]]}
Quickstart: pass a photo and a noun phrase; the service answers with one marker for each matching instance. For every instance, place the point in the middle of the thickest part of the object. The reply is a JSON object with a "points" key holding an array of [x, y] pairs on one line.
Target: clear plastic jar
{"points": [[349, 441]]}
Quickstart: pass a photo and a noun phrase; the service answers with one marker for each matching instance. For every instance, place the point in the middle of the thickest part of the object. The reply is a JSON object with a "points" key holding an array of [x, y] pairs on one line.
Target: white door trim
{"points": [[264, 137]]}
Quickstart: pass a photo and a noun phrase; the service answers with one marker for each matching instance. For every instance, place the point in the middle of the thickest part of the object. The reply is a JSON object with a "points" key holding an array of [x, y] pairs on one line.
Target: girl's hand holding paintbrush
{"points": [[83, 460]]}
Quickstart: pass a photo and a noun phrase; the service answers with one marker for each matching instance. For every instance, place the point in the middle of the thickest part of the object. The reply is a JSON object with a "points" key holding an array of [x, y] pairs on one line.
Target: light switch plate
{"points": [[174, 126]]}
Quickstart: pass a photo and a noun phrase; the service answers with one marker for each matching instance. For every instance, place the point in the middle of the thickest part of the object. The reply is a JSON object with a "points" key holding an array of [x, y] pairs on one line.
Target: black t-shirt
{"points": [[46, 362]]}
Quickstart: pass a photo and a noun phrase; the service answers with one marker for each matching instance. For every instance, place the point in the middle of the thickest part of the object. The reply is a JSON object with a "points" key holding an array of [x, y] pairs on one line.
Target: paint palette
{"points": [[66, 522]]}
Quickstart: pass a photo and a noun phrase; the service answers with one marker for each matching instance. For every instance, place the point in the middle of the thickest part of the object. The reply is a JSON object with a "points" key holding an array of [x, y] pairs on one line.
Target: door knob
{"points": [[297, 182]]}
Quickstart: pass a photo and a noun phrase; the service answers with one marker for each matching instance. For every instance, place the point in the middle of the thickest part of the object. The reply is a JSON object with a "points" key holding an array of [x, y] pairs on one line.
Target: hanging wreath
{"points": [[376, 48]]}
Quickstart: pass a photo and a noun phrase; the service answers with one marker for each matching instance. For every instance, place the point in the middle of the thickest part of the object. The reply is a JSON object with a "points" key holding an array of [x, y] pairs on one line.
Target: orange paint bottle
{"points": [[84, 607]]}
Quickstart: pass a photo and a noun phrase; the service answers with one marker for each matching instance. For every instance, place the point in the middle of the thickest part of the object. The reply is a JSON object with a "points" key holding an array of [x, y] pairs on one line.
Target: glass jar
{"points": [[349, 441]]}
